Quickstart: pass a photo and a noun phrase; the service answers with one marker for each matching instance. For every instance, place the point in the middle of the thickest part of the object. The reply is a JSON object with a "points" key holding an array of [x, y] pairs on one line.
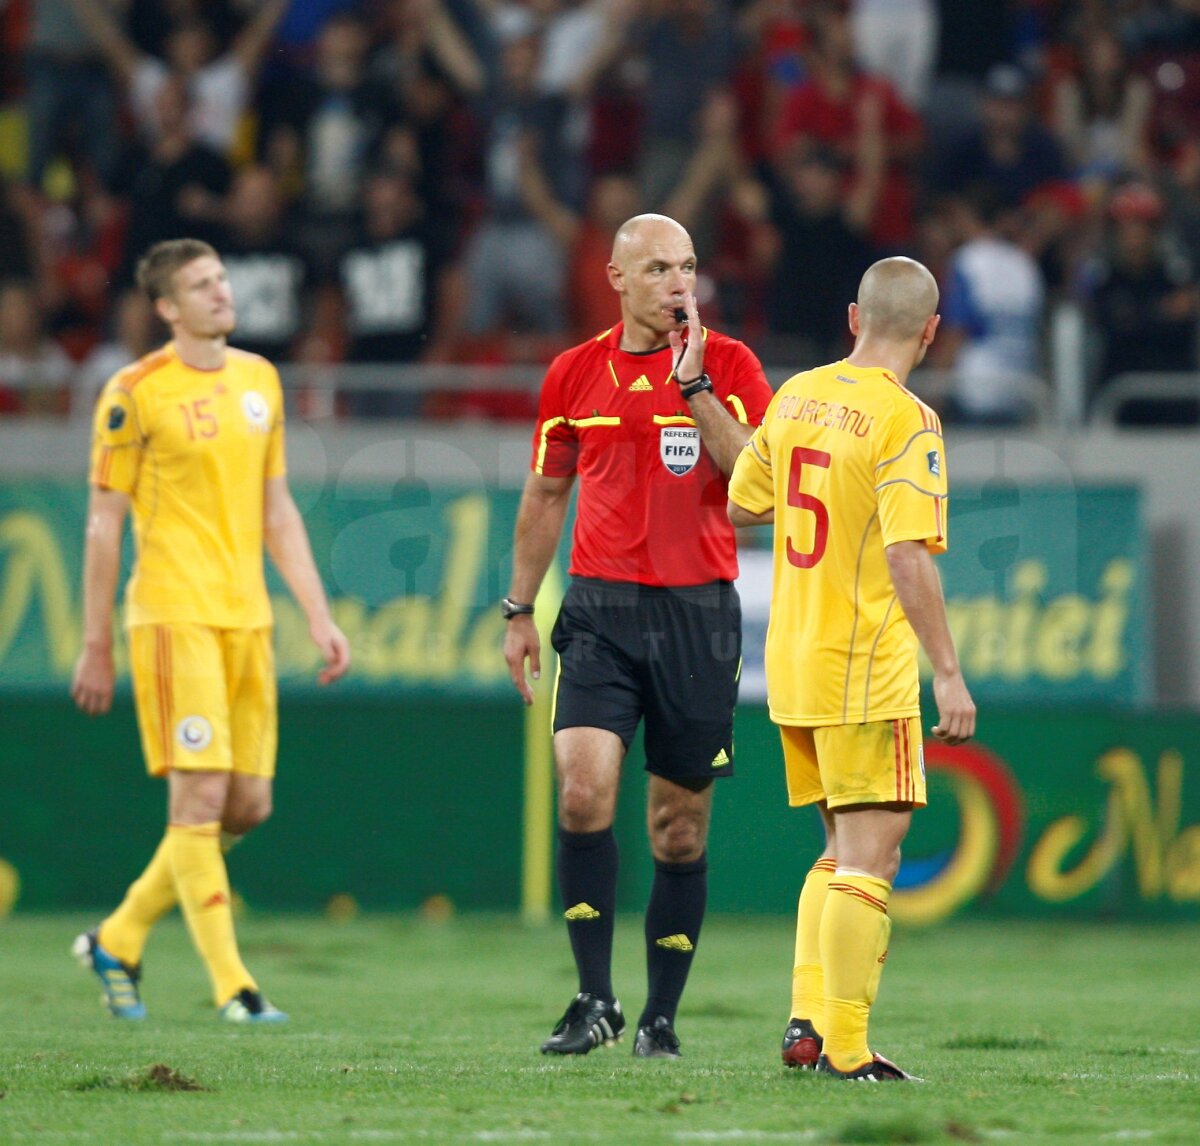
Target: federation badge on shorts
{"points": [[258, 413], [194, 733], [679, 448]]}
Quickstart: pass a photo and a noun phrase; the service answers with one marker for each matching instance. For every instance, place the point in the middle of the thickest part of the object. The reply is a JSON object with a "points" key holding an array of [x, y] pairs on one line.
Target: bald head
{"points": [[896, 298], [645, 230]]}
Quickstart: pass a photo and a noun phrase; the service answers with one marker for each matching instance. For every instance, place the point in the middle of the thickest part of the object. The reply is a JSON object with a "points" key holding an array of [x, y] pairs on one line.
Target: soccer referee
{"points": [[650, 415]]}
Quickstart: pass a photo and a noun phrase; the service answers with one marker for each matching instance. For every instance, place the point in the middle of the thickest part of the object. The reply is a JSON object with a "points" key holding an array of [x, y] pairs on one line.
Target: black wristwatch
{"points": [[694, 386], [510, 608]]}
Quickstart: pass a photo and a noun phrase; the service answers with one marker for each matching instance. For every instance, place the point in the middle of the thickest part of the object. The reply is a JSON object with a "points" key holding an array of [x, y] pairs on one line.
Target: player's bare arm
{"points": [[540, 519], [739, 517], [919, 590], [94, 676], [287, 542], [722, 434]]}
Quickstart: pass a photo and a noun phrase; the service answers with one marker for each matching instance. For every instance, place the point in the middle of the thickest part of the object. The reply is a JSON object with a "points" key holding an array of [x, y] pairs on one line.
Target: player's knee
{"points": [[677, 839], [238, 821]]}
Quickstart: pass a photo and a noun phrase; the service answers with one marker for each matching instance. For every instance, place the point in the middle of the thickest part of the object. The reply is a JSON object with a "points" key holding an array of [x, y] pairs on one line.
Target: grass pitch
{"points": [[409, 1030]]}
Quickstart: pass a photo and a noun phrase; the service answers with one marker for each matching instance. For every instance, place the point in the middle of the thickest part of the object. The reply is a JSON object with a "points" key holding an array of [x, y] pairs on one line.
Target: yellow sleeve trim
{"points": [[919, 433], [543, 441], [673, 420], [738, 408]]}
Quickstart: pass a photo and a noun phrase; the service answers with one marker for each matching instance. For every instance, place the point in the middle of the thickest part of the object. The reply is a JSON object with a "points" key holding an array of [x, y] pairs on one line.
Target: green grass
{"points": [[406, 1030]]}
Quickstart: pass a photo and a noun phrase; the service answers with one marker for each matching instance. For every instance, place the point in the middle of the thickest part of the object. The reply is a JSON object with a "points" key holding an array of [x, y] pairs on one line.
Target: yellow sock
{"points": [[148, 899], [854, 939], [808, 980], [202, 884]]}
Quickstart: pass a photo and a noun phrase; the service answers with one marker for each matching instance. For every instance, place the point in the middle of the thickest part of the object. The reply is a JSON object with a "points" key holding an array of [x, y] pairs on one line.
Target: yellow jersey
{"points": [[193, 449], [851, 462]]}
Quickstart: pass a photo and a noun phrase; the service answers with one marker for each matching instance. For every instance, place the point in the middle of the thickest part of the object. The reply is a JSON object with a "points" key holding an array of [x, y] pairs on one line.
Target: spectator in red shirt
{"points": [[852, 113]]}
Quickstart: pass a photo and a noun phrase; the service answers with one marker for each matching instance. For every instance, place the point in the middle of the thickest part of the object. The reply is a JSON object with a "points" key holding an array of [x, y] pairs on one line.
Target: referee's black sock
{"points": [[587, 879], [673, 919]]}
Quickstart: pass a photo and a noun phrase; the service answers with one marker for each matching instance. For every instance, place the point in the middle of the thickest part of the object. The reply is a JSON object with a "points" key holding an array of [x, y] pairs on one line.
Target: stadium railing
{"points": [[1141, 386]]}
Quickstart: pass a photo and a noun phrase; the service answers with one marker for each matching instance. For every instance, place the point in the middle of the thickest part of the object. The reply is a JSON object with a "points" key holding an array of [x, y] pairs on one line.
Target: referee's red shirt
{"points": [[651, 505]]}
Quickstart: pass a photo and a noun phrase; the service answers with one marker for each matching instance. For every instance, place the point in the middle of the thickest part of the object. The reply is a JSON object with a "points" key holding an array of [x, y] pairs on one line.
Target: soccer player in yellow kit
{"points": [[191, 438], [849, 465]]}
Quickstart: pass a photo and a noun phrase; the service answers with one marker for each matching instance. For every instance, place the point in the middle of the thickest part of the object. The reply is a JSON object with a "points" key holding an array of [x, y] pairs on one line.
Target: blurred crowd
{"points": [[405, 181]]}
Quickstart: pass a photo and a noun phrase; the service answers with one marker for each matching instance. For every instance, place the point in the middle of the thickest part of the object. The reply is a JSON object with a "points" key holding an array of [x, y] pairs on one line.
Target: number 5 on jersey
{"points": [[802, 456]]}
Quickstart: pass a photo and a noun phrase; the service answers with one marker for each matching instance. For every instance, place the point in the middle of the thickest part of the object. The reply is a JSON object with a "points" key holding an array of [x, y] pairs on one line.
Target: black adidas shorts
{"points": [[671, 656]]}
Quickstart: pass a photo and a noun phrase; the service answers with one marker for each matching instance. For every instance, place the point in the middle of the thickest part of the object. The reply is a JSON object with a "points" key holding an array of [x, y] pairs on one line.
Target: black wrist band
{"points": [[695, 386], [510, 608]]}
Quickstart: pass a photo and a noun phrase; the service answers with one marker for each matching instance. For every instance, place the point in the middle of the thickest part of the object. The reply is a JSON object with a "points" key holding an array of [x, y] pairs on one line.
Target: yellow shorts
{"points": [[878, 763], [205, 698]]}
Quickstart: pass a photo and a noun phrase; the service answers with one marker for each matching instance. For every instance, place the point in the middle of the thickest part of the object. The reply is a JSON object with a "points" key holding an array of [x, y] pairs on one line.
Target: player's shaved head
{"points": [[896, 298], [643, 230]]}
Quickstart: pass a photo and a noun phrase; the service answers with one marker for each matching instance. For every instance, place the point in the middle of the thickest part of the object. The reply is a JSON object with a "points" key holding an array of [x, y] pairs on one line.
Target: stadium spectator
{"points": [[432, 70], [321, 132], [897, 39], [79, 246], [136, 330], [393, 279], [72, 108], [1145, 303], [580, 40], [854, 114], [676, 96], [197, 611], [851, 725], [269, 272], [992, 309], [650, 625], [220, 86], [594, 307], [1102, 113], [1008, 150], [16, 244], [815, 223], [515, 261], [1055, 226], [35, 372], [173, 184]]}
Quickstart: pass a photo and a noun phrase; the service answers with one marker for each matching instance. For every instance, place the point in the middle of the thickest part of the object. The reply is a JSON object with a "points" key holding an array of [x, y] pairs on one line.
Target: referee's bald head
{"points": [[896, 298], [645, 227]]}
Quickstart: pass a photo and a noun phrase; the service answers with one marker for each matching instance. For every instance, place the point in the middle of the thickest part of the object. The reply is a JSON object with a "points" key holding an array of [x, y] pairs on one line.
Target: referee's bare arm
{"points": [[540, 520], [722, 434], [919, 590]]}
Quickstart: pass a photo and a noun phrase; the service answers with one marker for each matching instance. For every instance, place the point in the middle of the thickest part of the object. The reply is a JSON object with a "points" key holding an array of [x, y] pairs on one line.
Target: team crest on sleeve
{"points": [[679, 448], [195, 733], [258, 413], [934, 461]]}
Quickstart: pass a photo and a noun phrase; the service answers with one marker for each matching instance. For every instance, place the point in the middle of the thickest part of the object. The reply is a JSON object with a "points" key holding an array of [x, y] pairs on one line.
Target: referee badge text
{"points": [[679, 448]]}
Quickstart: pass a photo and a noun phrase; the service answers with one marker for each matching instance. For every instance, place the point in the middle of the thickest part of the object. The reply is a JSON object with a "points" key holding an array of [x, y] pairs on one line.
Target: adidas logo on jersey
{"points": [[675, 943], [581, 911], [641, 383], [720, 759]]}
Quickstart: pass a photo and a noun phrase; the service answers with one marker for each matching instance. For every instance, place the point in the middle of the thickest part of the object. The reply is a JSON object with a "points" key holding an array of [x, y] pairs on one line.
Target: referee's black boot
{"points": [[657, 1040], [589, 1022]]}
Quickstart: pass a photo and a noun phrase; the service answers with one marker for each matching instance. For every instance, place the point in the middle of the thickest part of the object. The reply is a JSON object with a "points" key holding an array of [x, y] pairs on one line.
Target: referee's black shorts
{"points": [[672, 656]]}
